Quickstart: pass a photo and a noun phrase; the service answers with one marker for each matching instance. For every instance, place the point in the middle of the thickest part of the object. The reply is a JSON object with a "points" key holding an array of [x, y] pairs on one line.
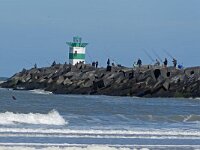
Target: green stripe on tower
{"points": [[76, 56]]}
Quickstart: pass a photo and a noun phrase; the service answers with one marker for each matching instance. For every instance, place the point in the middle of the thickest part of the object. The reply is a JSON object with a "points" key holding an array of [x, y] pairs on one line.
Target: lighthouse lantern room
{"points": [[77, 51]]}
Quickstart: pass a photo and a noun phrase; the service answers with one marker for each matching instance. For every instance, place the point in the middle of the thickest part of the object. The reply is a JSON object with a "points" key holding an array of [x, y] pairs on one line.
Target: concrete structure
{"points": [[77, 51]]}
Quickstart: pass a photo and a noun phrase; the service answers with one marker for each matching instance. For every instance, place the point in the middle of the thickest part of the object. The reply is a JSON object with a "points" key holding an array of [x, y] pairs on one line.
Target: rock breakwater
{"points": [[147, 81]]}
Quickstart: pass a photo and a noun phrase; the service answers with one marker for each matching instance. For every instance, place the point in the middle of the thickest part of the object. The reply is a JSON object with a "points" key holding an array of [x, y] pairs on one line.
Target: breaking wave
{"points": [[52, 118], [105, 134], [92, 147], [24, 146], [170, 118], [91, 132], [39, 91], [184, 118]]}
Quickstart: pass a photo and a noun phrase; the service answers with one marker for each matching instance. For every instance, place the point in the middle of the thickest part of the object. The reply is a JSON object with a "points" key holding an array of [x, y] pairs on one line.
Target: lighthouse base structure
{"points": [[77, 55]]}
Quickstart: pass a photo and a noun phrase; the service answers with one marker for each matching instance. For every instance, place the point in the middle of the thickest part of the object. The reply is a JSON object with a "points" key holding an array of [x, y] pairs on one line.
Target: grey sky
{"points": [[37, 31]]}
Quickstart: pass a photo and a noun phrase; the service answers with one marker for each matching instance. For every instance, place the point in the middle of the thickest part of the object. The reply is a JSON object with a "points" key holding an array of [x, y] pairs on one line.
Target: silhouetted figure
{"points": [[174, 62], [157, 63], [108, 62], [97, 63], [165, 62], [23, 70], [139, 62], [134, 64], [53, 64], [35, 66], [14, 98], [93, 64], [65, 65]]}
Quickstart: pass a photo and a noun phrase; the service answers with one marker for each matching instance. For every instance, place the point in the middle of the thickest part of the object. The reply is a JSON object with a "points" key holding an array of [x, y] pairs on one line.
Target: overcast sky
{"points": [[36, 31]]}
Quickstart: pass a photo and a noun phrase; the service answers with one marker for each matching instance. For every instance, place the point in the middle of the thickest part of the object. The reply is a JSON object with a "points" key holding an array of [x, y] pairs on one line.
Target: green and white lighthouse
{"points": [[77, 50]]}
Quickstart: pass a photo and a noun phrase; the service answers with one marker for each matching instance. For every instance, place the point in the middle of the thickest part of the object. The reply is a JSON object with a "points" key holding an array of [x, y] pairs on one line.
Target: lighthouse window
{"points": [[75, 52]]}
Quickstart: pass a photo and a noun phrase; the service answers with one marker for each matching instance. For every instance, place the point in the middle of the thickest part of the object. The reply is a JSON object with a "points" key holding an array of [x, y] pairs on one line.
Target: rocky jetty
{"points": [[147, 81]]}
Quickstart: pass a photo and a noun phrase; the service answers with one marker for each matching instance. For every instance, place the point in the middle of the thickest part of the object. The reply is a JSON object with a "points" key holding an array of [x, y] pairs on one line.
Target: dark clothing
{"points": [[157, 63], [97, 63], [139, 62], [108, 62], [174, 62], [165, 62], [93, 64], [35, 66]]}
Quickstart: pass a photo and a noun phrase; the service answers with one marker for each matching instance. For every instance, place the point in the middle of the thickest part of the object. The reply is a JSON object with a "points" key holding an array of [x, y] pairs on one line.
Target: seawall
{"points": [[147, 81]]}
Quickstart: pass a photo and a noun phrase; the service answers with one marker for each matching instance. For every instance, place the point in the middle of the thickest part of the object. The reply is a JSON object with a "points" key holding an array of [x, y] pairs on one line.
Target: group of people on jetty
{"points": [[158, 63], [137, 64]]}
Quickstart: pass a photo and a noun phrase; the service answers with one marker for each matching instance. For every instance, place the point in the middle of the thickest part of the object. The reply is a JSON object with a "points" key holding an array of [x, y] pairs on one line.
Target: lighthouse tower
{"points": [[77, 51]]}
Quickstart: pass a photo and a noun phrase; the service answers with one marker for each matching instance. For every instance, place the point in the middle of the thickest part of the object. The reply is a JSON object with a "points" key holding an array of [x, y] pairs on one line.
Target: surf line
{"points": [[87, 145], [33, 135], [99, 132]]}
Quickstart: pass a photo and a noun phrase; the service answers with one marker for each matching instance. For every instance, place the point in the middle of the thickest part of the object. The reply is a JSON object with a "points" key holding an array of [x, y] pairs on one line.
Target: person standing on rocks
{"points": [[165, 62], [134, 64], [113, 64], [139, 62], [174, 62], [97, 63], [108, 62], [157, 63], [53, 64], [93, 64], [35, 66]]}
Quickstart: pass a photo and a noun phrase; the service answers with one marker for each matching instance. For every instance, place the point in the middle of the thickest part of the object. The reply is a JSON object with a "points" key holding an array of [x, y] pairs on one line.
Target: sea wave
{"points": [[71, 147], [51, 118], [184, 118], [40, 146], [91, 132], [2, 82], [40, 91], [152, 137], [165, 118]]}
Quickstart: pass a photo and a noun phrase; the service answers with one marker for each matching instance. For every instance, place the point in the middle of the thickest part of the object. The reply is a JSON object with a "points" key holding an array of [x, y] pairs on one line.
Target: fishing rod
{"points": [[152, 60], [114, 60], [28, 62], [48, 62], [89, 56], [154, 52], [168, 53]]}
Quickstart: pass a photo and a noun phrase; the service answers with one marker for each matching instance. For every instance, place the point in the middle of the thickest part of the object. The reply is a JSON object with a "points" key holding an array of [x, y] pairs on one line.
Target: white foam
{"points": [[40, 91], [103, 132], [35, 146], [98, 136], [52, 118], [67, 148], [30, 146], [2, 82], [48, 146]]}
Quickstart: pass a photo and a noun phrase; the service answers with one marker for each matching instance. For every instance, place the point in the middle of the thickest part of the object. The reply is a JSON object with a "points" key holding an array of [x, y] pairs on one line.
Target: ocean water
{"points": [[41, 120]]}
